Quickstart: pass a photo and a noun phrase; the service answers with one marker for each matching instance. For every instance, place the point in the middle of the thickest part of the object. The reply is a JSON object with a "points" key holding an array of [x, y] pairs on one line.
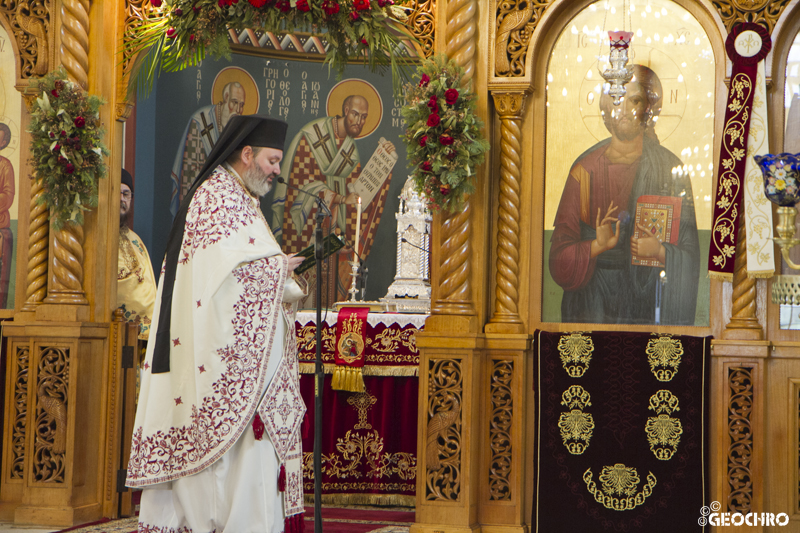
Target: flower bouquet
{"points": [[443, 135], [66, 147], [178, 33]]}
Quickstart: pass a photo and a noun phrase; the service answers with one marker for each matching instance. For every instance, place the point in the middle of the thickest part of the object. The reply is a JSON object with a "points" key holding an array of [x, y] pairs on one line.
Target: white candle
{"points": [[358, 229]]}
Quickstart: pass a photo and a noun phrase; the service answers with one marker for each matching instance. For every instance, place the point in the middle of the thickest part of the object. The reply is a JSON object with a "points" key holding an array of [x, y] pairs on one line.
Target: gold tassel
{"points": [[336, 380]]}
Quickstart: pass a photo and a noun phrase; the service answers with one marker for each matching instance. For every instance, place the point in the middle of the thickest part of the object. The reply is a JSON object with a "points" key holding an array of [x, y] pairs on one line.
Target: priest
{"points": [[216, 441]]}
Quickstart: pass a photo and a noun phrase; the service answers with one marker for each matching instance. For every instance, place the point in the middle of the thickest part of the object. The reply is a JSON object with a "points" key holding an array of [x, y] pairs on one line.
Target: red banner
{"points": [[351, 336], [746, 45]]}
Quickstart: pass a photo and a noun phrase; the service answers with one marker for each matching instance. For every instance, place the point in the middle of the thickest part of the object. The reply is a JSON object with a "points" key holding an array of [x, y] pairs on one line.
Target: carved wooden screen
{"points": [[662, 147]]}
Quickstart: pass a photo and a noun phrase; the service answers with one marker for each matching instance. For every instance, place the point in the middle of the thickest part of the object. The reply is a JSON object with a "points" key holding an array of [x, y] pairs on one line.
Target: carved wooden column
{"points": [[453, 296], [38, 237], [75, 40], [510, 106], [744, 323]]}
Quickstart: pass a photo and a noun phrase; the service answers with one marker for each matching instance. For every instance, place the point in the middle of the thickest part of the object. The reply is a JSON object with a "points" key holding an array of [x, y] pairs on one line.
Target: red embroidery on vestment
{"points": [[198, 303], [201, 368], [258, 427], [221, 416], [178, 400], [147, 528], [252, 240], [176, 342], [219, 208]]}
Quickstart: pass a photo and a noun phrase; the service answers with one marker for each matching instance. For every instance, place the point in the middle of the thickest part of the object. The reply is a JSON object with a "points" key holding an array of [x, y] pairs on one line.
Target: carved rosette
{"points": [[66, 275], [52, 392], [422, 23], [75, 40], [500, 430], [30, 22], [38, 236], [764, 12], [740, 448], [510, 106], [20, 413], [443, 435]]}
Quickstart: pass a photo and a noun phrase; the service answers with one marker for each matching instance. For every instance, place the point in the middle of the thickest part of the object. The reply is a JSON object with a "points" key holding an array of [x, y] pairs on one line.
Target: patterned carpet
{"points": [[335, 520]]}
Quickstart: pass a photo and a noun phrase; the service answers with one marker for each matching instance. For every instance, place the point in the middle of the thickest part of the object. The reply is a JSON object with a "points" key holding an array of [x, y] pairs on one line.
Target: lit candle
{"points": [[358, 229]]}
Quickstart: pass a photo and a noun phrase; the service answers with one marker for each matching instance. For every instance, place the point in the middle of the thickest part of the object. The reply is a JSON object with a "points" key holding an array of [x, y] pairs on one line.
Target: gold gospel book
{"points": [[662, 216]]}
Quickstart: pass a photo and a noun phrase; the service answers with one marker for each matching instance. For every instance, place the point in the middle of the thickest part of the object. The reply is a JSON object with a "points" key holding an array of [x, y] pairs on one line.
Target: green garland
{"points": [[178, 33], [66, 147], [443, 135]]}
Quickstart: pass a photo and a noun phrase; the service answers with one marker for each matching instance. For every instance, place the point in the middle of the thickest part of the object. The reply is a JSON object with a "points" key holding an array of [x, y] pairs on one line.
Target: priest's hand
{"points": [[607, 235], [648, 245], [295, 261]]}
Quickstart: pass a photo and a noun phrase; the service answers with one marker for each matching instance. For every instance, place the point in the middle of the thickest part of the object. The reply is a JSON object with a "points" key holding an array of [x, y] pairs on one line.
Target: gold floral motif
{"points": [[421, 23], [619, 480], [516, 21], [664, 355], [740, 446], [356, 448], [576, 426], [764, 12], [390, 340], [663, 431], [307, 340], [30, 23], [576, 353]]}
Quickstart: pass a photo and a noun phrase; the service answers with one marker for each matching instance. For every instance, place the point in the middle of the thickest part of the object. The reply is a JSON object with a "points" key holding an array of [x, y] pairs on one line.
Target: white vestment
{"points": [[233, 353]]}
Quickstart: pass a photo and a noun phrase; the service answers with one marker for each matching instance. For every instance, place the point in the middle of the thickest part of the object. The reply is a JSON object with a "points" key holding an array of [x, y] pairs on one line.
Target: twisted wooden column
{"points": [[744, 322], [454, 293], [38, 235], [66, 272], [75, 40], [66, 260], [510, 106]]}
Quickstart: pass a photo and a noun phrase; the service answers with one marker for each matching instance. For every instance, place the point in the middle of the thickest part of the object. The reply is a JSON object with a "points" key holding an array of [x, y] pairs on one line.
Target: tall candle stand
{"points": [[354, 265]]}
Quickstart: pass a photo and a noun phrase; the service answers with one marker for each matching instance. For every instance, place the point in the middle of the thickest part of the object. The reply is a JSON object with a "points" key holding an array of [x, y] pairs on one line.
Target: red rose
{"points": [[52, 135], [155, 3], [433, 120], [330, 7], [70, 168], [257, 3], [54, 93], [283, 5], [196, 9], [433, 104], [354, 15], [178, 12], [444, 189], [361, 5], [171, 31], [424, 80], [423, 140], [364, 42], [302, 5], [79, 122], [445, 140], [191, 38], [450, 96], [426, 166], [451, 155], [57, 147]]}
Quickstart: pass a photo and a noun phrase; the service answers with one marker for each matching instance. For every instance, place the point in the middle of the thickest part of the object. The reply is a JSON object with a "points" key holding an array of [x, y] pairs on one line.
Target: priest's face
{"points": [[262, 170], [126, 195], [628, 120], [355, 115]]}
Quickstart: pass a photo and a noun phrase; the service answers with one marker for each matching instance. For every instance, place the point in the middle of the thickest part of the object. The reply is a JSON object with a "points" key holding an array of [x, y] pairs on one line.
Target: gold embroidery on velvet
{"points": [[664, 355], [362, 402], [663, 431], [576, 353], [619, 480], [576, 426], [352, 335], [390, 339], [307, 339]]}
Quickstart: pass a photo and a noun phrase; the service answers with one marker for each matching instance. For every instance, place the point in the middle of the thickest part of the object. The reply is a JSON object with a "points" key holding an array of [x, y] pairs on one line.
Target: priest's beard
{"points": [[256, 180]]}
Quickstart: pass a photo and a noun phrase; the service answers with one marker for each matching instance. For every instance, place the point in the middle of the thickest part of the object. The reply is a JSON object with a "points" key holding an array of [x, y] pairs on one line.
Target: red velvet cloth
{"points": [[369, 440], [351, 336]]}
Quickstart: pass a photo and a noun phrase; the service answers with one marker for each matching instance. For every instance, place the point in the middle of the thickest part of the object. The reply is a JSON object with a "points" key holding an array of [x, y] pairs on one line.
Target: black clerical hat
{"points": [[250, 130], [127, 179]]}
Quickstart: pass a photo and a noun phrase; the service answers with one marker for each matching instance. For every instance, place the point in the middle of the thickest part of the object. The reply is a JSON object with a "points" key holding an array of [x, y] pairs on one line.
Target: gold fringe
{"points": [[348, 378], [385, 500], [760, 274], [722, 276], [368, 370]]}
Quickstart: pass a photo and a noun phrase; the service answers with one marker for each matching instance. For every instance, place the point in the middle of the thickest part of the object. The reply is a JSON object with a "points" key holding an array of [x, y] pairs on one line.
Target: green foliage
{"points": [[179, 33], [66, 147], [443, 136]]}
